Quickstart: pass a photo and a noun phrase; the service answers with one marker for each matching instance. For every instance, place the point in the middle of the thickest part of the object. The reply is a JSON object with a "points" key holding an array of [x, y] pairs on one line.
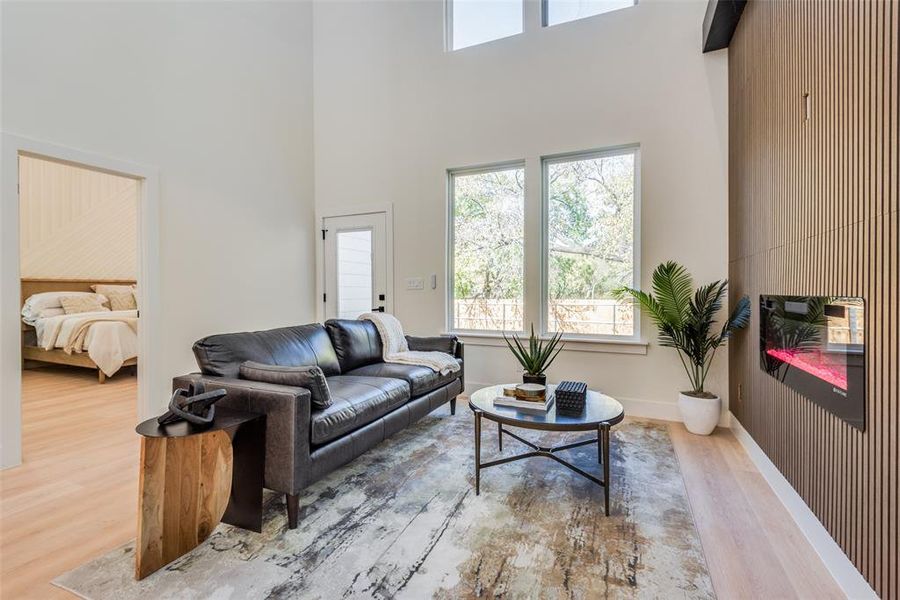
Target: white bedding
{"points": [[109, 341]]}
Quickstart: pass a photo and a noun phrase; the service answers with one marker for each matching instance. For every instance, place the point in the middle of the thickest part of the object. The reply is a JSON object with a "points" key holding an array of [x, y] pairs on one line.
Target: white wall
{"points": [[218, 97], [393, 111], [76, 223]]}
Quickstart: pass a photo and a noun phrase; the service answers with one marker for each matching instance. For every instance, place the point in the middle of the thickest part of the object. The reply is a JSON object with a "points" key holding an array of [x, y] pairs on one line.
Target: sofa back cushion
{"points": [[356, 343], [221, 355]]}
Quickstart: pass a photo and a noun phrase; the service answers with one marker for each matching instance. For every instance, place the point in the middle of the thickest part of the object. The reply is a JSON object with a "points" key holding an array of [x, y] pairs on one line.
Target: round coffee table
{"points": [[600, 413]]}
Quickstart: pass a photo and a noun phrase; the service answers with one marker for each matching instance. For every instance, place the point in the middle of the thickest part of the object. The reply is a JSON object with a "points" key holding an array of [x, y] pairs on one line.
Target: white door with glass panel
{"points": [[355, 265]]}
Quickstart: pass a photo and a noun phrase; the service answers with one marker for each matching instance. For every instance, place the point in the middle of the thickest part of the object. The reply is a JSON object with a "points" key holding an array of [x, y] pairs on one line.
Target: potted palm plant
{"points": [[685, 319], [537, 356]]}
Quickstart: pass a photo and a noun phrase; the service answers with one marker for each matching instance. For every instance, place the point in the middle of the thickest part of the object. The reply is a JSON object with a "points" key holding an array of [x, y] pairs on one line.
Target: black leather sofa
{"points": [[372, 400]]}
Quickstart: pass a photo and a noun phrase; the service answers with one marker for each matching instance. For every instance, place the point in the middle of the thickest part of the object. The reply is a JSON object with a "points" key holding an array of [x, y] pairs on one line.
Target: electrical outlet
{"points": [[415, 283]]}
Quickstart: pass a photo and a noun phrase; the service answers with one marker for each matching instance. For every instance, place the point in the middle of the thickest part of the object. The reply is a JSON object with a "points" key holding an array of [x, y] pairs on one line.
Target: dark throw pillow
{"points": [[309, 377]]}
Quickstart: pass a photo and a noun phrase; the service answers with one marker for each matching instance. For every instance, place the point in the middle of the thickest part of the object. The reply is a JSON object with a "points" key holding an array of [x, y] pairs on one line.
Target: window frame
{"points": [[451, 175], [551, 159], [545, 13], [448, 28]]}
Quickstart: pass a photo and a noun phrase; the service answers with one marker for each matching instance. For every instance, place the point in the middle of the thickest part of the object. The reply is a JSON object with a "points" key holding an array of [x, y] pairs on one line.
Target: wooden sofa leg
{"points": [[293, 504], [453, 406], [101, 376]]}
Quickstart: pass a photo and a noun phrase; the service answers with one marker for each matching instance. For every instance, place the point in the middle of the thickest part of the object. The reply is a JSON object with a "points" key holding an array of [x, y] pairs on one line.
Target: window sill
{"points": [[572, 344]]}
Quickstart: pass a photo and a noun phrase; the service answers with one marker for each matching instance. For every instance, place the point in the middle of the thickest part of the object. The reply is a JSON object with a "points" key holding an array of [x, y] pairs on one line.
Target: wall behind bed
{"points": [[76, 223]]}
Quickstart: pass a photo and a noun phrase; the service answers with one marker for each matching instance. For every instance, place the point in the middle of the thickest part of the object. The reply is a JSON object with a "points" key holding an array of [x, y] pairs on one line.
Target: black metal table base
{"points": [[602, 441]]}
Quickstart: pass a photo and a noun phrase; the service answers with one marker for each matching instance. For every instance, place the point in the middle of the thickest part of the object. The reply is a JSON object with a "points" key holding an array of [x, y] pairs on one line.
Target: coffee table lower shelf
{"points": [[602, 441]]}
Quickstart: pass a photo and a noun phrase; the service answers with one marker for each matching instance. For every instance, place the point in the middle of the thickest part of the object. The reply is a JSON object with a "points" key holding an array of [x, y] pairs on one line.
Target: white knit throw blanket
{"points": [[396, 350]]}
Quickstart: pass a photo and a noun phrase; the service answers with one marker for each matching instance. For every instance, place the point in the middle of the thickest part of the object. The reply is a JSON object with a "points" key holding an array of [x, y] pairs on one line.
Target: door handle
{"points": [[378, 309]]}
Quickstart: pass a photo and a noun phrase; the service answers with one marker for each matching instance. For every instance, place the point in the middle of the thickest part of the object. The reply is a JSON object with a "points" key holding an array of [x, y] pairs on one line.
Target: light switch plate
{"points": [[415, 283]]}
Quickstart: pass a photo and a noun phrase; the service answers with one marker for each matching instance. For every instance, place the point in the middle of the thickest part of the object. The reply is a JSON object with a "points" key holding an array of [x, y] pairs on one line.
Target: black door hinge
{"points": [[323, 233], [323, 297]]}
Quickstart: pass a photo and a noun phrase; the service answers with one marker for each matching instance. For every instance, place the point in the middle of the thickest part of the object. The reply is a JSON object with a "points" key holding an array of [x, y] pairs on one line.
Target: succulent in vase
{"points": [[536, 356]]}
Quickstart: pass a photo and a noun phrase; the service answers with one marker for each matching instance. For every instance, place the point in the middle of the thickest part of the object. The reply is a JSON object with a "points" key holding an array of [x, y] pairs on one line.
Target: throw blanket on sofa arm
{"points": [[396, 350]]}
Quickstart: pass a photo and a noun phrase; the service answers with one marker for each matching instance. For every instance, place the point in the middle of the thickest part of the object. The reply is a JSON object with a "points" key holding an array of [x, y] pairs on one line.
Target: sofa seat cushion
{"points": [[355, 402], [421, 380]]}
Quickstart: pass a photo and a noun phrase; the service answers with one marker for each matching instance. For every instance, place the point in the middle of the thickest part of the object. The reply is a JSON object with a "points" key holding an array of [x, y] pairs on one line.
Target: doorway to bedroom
{"points": [[71, 222], [78, 261]]}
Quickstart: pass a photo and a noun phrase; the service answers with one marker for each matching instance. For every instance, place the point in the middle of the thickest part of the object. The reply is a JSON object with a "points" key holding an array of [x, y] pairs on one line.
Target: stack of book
{"points": [[525, 396]]}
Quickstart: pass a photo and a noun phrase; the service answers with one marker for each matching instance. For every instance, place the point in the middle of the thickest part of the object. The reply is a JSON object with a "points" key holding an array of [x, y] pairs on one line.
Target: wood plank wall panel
{"points": [[814, 210], [76, 223]]}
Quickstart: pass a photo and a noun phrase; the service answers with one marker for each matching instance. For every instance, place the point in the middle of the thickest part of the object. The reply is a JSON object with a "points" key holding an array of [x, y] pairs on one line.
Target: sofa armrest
{"points": [[442, 343], [438, 343], [287, 411], [460, 354]]}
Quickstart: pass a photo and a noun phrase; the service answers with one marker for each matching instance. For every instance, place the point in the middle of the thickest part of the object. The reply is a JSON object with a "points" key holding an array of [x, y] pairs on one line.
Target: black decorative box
{"points": [[570, 397]]}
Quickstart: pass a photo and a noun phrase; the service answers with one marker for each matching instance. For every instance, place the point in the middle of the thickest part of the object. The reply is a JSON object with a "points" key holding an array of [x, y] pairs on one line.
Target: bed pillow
{"points": [[120, 301], [82, 304], [110, 288], [309, 377], [51, 312], [33, 306]]}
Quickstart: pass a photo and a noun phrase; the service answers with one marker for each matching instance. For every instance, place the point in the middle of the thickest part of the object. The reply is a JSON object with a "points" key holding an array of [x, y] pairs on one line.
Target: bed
{"points": [[103, 341]]}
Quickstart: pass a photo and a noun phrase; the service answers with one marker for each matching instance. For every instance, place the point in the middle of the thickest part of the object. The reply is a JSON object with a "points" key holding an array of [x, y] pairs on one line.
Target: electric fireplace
{"points": [[816, 346]]}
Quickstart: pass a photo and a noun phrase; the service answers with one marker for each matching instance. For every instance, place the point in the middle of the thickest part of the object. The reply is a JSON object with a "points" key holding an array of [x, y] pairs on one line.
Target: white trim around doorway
{"points": [[149, 379], [348, 211]]}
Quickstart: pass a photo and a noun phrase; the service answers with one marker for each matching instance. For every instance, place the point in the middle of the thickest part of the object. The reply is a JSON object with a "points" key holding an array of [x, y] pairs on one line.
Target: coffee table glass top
{"points": [[598, 408]]}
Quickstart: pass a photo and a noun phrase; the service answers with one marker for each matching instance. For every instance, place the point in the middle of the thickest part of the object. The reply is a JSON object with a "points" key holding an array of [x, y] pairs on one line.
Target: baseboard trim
{"points": [[634, 407], [850, 580]]}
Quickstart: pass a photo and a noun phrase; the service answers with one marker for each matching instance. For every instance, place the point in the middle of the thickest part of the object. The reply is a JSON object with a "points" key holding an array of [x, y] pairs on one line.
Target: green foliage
{"points": [[590, 226], [537, 356], [590, 230], [685, 318], [488, 221]]}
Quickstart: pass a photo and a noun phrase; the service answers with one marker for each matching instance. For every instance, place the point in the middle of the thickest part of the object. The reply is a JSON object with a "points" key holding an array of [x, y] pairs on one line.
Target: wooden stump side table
{"points": [[192, 478]]}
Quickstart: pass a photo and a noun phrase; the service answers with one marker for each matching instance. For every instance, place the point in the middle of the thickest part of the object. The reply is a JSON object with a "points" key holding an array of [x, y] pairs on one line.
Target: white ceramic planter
{"points": [[701, 415]]}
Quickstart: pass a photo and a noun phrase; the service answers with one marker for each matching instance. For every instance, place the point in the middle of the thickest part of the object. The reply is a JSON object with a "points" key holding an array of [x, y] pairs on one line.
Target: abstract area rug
{"points": [[403, 521]]}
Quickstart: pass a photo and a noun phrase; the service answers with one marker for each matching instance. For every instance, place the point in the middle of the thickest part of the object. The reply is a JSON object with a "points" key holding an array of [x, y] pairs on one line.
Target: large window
{"points": [[563, 11], [582, 245], [488, 248], [589, 242], [472, 22]]}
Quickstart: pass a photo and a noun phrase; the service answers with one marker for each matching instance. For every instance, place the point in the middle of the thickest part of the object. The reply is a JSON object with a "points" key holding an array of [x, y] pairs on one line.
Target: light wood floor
{"points": [[753, 547], [76, 497]]}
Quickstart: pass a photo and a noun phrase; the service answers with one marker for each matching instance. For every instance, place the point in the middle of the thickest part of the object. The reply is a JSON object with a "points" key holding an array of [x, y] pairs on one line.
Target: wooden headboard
{"points": [[31, 286], [36, 286]]}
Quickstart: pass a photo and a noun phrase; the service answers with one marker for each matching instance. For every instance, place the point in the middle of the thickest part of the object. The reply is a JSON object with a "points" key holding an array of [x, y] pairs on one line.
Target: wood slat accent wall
{"points": [[814, 210]]}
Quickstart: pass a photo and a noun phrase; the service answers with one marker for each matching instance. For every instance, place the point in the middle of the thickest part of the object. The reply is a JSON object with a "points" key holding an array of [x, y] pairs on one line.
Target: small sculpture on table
{"points": [[194, 405]]}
